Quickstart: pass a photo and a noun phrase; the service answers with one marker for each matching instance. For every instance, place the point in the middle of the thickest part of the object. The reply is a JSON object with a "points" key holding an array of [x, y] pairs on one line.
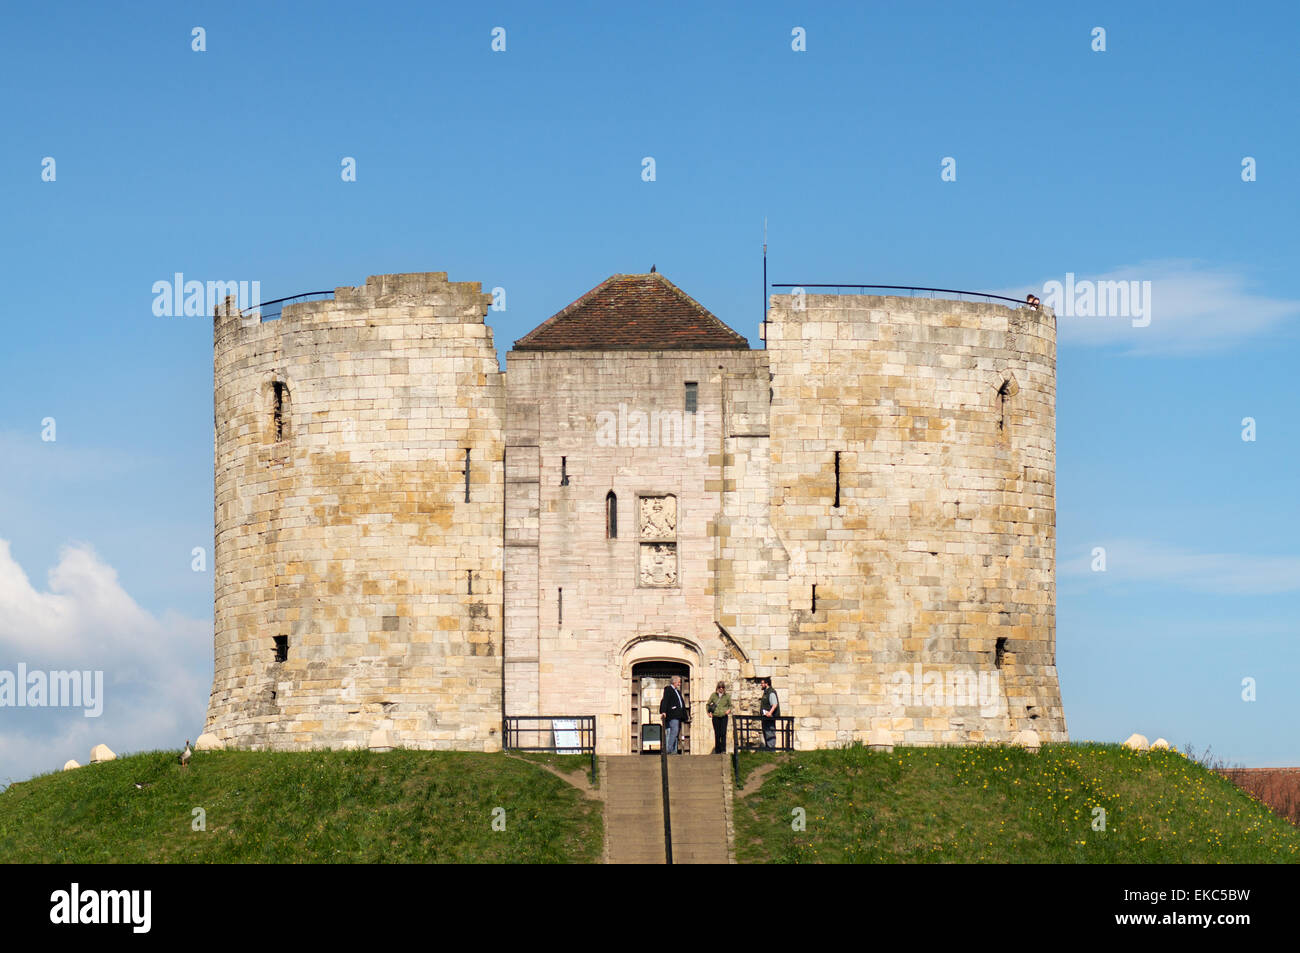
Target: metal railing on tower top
{"points": [[283, 301], [835, 288]]}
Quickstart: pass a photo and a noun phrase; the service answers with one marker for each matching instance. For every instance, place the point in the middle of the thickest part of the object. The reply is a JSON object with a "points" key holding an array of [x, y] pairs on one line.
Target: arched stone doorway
{"points": [[649, 680], [646, 663]]}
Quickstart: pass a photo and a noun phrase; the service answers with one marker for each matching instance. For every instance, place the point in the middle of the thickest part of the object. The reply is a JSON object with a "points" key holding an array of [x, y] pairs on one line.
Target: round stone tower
{"points": [[912, 485], [358, 521]]}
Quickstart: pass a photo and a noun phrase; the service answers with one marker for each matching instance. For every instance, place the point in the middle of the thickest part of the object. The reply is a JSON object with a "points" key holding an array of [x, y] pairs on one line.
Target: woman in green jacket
{"points": [[719, 707]]}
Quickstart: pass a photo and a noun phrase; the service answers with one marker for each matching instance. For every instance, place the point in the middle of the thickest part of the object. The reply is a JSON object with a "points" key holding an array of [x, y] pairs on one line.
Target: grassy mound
{"points": [[300, 807], [983, 804], [996, 804]]}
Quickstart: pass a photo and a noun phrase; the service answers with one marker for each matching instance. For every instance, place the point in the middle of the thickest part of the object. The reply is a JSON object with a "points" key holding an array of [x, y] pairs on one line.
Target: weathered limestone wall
{"points": [[752, 565], [944, 539], [618, 421], [350, 536], [412, 617]]}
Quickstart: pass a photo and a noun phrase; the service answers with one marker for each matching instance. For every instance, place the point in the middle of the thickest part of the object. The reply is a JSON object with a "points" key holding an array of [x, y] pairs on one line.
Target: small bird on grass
{"points": [[186, 754]]}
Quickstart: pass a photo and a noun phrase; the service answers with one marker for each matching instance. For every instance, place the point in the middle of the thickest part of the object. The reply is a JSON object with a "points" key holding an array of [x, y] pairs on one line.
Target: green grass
{"points": [[300, 807], [981, 804], [996, 804], [751, 761], [564, 763]]}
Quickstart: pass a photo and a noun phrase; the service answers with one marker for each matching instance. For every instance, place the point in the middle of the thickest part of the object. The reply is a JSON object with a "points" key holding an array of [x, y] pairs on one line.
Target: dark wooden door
{"points": [[649, 679]]}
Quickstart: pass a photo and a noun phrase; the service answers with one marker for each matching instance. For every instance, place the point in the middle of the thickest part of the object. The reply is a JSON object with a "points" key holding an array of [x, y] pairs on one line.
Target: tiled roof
{"points": [[633, 313]]}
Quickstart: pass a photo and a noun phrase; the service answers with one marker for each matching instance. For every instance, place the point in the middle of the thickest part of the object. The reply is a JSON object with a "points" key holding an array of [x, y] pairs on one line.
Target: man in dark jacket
{"points": [[769, 706], [672, 711]]}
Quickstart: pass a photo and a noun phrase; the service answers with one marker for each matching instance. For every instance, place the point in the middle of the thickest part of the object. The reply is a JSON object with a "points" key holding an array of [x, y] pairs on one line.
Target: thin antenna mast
{"points": [[764, 282]]}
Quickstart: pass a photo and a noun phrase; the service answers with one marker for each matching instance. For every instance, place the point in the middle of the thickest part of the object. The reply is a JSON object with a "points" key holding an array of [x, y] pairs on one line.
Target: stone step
{"points": [[634, 809], [697, 799], [634, 812]]}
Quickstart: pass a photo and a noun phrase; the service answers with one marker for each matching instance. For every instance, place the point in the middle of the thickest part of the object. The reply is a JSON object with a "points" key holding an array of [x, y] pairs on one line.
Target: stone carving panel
{"points": [[659, 564], [658, 517]]}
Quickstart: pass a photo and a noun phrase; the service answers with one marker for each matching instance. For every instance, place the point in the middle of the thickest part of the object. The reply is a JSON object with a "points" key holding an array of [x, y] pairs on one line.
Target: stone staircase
{"points": [[697, 795], [634, 809]]}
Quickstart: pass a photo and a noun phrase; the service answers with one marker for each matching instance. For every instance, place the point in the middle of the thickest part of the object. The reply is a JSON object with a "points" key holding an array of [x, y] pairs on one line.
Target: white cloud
{"points": [[1136, 560], [1194, 309], [157, 670]]}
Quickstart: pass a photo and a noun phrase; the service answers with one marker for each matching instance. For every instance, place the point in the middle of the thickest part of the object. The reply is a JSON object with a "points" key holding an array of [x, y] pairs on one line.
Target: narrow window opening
{"points": [[837, 478], [814, 597], [279, 389], [560, 602], [564, 471], [281, 648], [466, 474], [611, 515], [692, 396], [469, 581], [999, 652], [1003, 392]]}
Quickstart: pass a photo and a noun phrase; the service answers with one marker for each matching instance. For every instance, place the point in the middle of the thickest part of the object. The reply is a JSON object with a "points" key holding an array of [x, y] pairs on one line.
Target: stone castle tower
{"points": [[412, 545]]}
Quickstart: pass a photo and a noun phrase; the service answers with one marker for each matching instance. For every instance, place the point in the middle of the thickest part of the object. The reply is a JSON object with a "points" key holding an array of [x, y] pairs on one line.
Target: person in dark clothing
{"points": [[769, 706], [672, 711]]}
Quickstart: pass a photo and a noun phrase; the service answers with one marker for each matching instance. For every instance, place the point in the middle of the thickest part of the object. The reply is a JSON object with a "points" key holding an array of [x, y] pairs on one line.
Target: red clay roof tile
{"points": [[633, 313]]}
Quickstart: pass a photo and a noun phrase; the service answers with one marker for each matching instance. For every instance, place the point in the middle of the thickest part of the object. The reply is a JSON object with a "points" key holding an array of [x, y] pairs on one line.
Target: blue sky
{"points": [[522, 169]]}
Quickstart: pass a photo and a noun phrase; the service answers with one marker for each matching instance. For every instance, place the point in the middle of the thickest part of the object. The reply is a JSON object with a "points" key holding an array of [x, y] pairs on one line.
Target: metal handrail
{"points": [[305, 294], [668, 814], [742, 726], [953, 291], [512, 730]]}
